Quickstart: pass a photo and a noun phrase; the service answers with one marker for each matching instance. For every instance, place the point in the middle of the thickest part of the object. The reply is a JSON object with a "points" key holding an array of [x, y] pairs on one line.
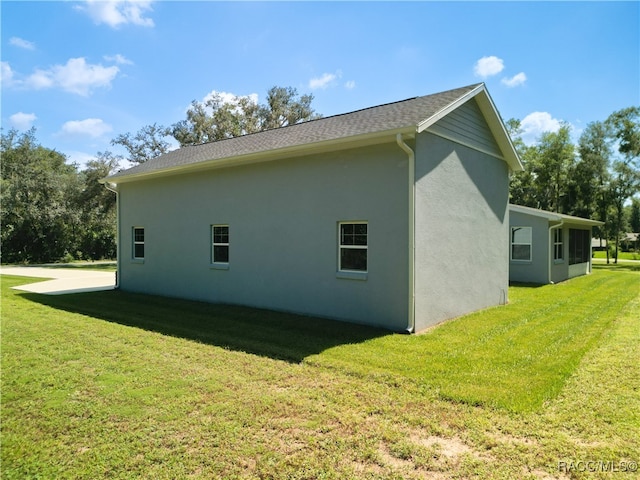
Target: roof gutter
{"points": [[411, 322]]}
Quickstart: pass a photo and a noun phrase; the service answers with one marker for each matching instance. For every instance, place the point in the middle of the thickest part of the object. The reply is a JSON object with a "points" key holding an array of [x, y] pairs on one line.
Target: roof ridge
{"points": [[469, 87]]}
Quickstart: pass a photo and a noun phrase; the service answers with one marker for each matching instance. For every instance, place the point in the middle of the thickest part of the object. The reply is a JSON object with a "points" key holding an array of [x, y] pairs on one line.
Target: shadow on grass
{"points": [[526, 285], [277, 335]]}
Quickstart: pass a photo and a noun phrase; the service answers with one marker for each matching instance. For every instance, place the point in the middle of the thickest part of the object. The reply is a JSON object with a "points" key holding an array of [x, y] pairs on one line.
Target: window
{"points": [[579, 246], [220, 244], [521, 243], [353, 247], [138, 243], [558, 250]]}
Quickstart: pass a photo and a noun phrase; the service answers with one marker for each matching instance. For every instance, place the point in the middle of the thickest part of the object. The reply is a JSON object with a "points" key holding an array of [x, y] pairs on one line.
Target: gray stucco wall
{"points": [[543, 268], [536, 270], [462, 261], [283, 219]]}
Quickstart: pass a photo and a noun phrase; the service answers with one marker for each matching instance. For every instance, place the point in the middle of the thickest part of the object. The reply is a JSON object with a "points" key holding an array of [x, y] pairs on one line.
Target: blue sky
{"points": [[84, 72]]}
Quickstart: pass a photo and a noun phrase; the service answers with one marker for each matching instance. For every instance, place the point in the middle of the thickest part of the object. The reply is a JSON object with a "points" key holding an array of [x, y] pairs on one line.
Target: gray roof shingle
{"points": [[381, 118]]}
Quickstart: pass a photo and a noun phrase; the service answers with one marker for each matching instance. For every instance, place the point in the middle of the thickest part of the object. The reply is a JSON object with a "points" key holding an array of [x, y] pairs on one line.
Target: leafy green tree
{"points": [[148, 143], [634, 215], [521, 186], [284, 107], [547, 166], [38, 186], [97, 208], [625, 183], [218, 118], [554, 159]]}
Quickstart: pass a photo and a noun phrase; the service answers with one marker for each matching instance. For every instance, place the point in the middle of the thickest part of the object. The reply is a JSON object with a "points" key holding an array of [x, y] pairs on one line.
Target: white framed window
{"points": [[138, 243], [521, 243], [353, 245], [220, 244], [558, 245]]}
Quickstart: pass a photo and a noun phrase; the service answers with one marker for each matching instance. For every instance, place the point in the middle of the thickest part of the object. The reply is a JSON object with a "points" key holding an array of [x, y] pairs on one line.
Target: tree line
{"points": [[53, 210], [597, 178]]}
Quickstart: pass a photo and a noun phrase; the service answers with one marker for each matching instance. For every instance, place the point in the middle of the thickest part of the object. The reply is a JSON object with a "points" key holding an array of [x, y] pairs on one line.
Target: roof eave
{"points": [[265, 156], [553, 216]]}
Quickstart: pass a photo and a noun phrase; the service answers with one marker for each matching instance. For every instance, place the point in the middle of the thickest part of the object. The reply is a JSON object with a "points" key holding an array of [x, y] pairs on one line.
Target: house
{"points": [[548, 247], [630, 242], [394, 216]]}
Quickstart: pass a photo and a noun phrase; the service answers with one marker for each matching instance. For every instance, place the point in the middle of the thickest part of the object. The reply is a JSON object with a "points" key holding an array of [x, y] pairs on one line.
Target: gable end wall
{"points": [[461, 260], [466, 125]]}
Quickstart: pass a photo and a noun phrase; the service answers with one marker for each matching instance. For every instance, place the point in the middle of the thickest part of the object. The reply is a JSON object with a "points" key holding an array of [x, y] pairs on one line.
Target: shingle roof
{"points": [[381, 118]]}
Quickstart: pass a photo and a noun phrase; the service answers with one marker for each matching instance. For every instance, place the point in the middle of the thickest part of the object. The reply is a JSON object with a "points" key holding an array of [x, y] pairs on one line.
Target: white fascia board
{"points": [[266, 156], [427, 122], [554, 217]]}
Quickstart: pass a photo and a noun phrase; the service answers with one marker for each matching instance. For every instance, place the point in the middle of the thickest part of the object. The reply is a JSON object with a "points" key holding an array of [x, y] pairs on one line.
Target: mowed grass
{"points": [[517, 356], [621, 255], [117, 385]]}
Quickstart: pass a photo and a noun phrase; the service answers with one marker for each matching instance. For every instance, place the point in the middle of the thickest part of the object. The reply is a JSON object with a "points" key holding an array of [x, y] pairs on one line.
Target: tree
{"points": [[284, 108], [38, 188], [554, 159], [625, 130], [148, 143], [219, 118], [634, 215], [522, 183], [97, 208]]}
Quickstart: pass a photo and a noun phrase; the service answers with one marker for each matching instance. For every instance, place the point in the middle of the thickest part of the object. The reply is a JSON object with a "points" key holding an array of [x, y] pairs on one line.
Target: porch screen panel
{"points": [[579, 246]]}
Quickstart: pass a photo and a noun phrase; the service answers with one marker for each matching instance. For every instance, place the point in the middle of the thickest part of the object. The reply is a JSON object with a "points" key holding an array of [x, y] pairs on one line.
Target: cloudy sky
{"points": [[84, 72]]}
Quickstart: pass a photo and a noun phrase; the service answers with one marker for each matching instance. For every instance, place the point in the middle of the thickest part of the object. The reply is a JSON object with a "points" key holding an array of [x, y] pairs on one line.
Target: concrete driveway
{"points": [[64, 280]]}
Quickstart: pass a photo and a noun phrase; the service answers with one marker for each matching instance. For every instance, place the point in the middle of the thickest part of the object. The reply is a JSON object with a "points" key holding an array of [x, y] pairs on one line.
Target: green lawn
{"points": [[621, 255], [117, 385]]}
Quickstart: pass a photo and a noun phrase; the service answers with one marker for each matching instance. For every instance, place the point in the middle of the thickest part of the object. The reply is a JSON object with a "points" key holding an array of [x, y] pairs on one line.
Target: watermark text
{"points": [[592, 466]]}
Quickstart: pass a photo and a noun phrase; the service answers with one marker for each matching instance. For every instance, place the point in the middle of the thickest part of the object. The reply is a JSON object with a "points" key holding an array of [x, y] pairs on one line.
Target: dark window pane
{"points": [[353, 259], [138, 234], [221, 234], [138, 250], [221, 253], [353, 234], [521, 252]]}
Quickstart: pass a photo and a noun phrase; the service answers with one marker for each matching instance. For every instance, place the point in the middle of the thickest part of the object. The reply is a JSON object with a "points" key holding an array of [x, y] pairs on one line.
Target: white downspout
{"points": [[113, 187], [552, 248], [411, 324]]}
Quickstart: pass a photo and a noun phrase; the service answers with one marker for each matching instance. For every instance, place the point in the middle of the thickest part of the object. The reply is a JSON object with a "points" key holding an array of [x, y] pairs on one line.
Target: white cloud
{"points": [[537, 123], [77, 76], [119, 59], [488, 66], [325, 80], [22, 121], [350, 85], [515, 81], [21, 43], [118, 12], [91, 127], [6, 74]]}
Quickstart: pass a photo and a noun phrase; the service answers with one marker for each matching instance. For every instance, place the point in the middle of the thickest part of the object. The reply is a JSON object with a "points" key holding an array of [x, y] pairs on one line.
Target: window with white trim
{"points": [[219, 243], [558, 245], [521, 243], [138, 243], [353, 247]]}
